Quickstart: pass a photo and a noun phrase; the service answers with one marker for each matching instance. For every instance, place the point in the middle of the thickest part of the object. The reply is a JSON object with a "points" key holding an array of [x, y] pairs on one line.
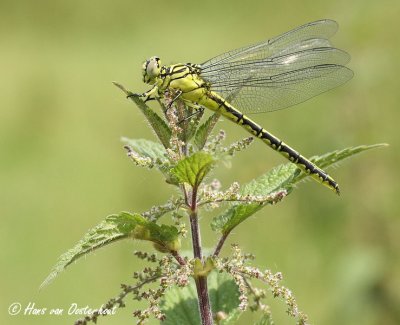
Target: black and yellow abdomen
{"points": [[216, 103]]}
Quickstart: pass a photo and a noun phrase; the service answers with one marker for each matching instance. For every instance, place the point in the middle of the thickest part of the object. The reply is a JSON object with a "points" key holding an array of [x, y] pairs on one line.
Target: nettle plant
{"points": [[195, 288]]}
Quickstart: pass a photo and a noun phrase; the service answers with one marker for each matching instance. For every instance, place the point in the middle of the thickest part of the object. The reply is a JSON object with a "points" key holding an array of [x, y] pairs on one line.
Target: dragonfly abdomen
{"points": [[218, 104]]}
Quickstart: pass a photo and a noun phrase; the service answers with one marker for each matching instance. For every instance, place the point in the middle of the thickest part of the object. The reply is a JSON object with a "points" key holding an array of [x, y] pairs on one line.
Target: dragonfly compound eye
{"points": [[151, 70]]}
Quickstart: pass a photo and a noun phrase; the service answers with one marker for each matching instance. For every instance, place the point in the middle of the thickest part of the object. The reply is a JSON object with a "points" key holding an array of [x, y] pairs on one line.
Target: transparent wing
{"points": [[280, 72], [287, 89], [270, 84], [314, 34]]}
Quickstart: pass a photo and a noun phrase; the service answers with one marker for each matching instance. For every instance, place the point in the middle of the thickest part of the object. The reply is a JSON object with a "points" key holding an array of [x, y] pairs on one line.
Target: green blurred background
{"points": [[63, 168]]}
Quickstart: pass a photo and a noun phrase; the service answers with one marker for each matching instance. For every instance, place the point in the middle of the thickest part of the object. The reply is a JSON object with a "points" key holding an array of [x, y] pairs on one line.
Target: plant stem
{"points": [[178, 258], [196, 241], [220, 243], [201, 281], [204, 302]]}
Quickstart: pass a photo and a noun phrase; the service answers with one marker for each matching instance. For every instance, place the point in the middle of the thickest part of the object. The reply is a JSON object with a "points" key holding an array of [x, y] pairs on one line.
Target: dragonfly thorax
{"points": [[151, 70]]}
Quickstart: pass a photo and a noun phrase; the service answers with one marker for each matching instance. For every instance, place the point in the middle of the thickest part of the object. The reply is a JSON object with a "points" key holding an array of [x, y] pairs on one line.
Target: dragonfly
{"points": [[270, 75]]}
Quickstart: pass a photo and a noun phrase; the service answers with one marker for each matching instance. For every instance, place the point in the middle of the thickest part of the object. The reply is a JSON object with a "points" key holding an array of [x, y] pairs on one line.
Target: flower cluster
{"points": [[237, 267]]}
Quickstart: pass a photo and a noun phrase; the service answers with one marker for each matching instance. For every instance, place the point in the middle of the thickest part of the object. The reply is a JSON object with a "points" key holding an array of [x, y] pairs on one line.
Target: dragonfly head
{"points": [[151, 70]]}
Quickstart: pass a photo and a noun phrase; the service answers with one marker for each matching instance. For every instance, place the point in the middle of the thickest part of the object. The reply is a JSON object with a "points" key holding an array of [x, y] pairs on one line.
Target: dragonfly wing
{"points": [[314, 34], [280, 72], [256, 86], [287, 89]]}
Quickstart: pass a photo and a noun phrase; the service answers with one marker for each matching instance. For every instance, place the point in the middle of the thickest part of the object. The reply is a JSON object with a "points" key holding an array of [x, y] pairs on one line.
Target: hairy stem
{"points": [[201, 281], [194, 226], [178, 258], [220, 243], [204, 301]]}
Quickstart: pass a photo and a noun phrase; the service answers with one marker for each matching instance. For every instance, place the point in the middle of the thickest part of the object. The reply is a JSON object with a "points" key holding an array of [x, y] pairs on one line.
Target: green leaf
{"points": [[160, 128], [238, 213], [113, 228], [333, 157], [204, 131], [158, 125], [150, 154], [233, 216], [275, 181], [165, 237], [194, 168], [224, 296], [281, 178], [180, 304], [147, 148]]}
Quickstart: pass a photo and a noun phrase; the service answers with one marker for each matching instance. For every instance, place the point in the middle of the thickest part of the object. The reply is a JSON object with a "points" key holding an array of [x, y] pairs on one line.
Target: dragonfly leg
{"points": [[146, 96], [178, 94], [199, 110]]}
